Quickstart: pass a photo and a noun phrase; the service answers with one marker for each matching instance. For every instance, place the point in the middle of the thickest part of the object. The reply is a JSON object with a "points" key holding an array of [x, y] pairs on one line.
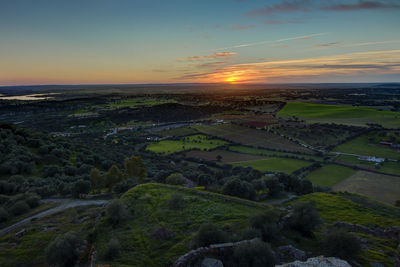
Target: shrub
{"points": [[305, 218], [80, 187], [3, 215], [62, 250], [340, 244], [112, 249], [254, 254], [209, 234], [19, 208], [236, 187], [117, 212], [176, 201], [175, 179], [266, 223]]}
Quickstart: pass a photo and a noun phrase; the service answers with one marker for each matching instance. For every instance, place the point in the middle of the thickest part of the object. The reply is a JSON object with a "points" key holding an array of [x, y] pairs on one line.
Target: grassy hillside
{"points": [[352, 208], [149, 205], [341, 114]]}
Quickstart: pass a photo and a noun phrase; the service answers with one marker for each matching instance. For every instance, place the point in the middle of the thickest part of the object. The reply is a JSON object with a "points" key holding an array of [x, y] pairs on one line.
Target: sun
{"points": [[231, 79]]}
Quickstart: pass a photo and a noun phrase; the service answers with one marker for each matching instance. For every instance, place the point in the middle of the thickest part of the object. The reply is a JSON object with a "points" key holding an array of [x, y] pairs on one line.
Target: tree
{"points": [[112, 249], [80, 187], [236, 187], [340, 244], [62, 250], [267, 224], [113, 176], [19, 207], [253, 254], [175, 179], [305, 218], [95, 179], [274, 186], [117, 212], [135, 168], [209, 234]]}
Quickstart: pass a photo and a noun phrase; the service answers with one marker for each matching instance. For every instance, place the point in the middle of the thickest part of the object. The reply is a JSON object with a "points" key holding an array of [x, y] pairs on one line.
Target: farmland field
{"points": [[185, 143], [252, 137], [270, 153], [227, 156], [136, 102], [340, 114], [381, 187], [389, 167], [361, 145], [284, 165], [329, 175]]}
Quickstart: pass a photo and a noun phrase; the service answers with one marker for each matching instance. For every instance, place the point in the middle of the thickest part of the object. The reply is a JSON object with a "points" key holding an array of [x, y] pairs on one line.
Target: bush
{"points": [[305, 218], [209, 234], [340, 244], [19, 208], [176, 201], [62, 250], [32, 200], [254, 254], [112, 249], [266, 224], [80, 187], [236, 187], [4, 216], [117, 212], [175, 179]]}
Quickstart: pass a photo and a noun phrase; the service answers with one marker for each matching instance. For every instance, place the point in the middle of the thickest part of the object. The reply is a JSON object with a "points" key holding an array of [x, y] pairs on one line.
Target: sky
{"points": [[198, 41]]}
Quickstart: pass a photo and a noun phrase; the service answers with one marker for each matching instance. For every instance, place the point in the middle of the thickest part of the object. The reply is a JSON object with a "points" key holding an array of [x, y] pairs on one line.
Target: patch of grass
{"points": [[136, 102], [361, 145], [148, 203], [185, 143], [329, 175], [227, 156], [284, 165], [381, 187], [340, 114]]}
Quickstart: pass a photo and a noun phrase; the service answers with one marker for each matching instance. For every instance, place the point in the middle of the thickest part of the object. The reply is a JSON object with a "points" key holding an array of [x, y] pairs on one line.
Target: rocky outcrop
{"points": [[320, 261], [197, 254], [290, 253], [210, 262], [392, 232]]}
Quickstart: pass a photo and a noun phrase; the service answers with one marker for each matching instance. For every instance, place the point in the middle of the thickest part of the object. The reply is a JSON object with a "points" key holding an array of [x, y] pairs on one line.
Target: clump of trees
{"points": [[117, 212], [62, 251]]}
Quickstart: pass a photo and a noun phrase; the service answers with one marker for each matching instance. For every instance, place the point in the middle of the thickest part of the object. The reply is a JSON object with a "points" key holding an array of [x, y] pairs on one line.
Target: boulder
{"points": [[210, 262], [320, 261], [290, 253]]}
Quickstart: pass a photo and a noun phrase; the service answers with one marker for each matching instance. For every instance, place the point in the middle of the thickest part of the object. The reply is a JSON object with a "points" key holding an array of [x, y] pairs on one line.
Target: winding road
{"points": [[64, 205]]}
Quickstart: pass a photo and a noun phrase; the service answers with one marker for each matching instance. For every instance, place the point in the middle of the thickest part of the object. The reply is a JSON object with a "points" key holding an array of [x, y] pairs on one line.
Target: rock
{"points": [[209, 262], [290, 253], [320, 261]]}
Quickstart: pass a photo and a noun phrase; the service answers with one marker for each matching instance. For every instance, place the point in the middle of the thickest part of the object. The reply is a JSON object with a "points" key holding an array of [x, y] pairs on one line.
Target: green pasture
{"points": [[285, 165], [329, 175]]}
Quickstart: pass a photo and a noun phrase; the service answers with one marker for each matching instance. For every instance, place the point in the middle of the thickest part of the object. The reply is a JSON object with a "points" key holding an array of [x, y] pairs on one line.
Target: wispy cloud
{"points": [[331, 44], [362, 5], [343, 65], [284, 7], [212, 56], [273, 41], [342, 44]]}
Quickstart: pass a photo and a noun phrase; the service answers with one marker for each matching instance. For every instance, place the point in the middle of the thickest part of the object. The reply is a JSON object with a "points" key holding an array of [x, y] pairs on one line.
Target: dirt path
{"points": [[64, 204]]}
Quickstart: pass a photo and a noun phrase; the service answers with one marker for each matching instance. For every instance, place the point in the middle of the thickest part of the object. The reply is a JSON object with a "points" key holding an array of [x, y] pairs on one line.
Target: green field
{"points": [[270, 153], [284, 165], [329, 175], [252, 137], [361, 145], [185, 143], [227, 156], [381, 187], [340, 114], [149, 204]]}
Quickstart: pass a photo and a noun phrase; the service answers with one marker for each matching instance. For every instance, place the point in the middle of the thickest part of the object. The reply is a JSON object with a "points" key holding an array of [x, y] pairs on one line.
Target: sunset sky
{"points": [[185, 41]]}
